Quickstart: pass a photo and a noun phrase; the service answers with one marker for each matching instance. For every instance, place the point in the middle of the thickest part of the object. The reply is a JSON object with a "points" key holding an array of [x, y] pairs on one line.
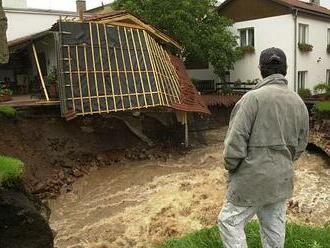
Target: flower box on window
{"points": [[248, 49], [305, 47]]}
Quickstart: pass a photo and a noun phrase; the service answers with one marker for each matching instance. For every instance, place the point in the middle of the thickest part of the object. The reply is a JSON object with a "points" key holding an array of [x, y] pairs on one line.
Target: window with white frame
{"points": [[302, 75], [328, 77], [303, 33], [247, 37]]}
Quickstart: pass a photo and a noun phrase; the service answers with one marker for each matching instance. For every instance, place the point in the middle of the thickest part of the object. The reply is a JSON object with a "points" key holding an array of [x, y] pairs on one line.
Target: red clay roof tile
{"points": [[191, 100]]}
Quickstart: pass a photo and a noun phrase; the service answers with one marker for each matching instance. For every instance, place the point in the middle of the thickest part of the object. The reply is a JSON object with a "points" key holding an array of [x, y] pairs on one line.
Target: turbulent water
{"points": [[141, 204]]}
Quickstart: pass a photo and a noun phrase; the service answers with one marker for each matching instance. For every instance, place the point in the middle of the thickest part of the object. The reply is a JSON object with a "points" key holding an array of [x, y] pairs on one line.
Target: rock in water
{"points": [[22, 225]]}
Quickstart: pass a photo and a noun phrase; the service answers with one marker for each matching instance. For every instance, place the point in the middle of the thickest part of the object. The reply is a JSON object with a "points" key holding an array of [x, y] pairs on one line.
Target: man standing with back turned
{"points": [[268, 131]]}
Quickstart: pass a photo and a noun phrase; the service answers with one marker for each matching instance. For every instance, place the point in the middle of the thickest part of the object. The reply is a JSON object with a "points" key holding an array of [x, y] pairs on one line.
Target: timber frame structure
{"points": [[115, 62]]}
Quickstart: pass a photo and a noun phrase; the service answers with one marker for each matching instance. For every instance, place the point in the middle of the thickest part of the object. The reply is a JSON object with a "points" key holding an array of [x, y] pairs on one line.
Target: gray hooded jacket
{"points": [[268, 131]]}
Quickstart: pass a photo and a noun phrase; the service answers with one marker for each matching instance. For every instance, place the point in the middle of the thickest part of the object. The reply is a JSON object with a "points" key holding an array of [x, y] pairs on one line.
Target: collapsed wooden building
{"points": [[113, 63]]}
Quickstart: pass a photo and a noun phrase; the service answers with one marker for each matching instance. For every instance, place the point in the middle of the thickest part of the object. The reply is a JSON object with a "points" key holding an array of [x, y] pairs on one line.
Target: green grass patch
{"points": [[7, 111], [11, 169], [322, 107], [297, 236]]}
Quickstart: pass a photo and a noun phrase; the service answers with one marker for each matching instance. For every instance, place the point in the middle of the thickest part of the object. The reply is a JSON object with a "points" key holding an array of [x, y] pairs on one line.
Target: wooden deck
{"points": [[27, 101]]}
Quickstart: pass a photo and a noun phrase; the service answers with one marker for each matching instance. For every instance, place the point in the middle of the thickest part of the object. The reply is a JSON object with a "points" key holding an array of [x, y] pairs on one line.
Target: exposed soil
{"points": [[56, 152], [143, 203]]}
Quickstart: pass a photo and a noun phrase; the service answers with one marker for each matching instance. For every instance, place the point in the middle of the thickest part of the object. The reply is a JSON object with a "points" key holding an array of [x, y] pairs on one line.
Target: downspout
{"points": [[295, 17]]}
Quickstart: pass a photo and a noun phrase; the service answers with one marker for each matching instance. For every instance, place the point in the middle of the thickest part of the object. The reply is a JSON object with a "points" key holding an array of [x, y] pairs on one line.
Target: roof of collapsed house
{"points": [[221, 100], [124, 18], [116, 62]]}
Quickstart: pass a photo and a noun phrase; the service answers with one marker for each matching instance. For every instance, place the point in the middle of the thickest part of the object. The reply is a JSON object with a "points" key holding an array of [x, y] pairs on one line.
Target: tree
{"points": [[204, 34]]}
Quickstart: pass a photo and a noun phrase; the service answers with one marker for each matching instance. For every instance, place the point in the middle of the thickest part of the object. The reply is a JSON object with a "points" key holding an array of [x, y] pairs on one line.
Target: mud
{"points": [[143, 203], [55, 152]]}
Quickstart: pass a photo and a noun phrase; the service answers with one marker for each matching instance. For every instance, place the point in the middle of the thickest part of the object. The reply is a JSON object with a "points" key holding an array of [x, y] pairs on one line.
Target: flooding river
{"points": [[141, 204]]}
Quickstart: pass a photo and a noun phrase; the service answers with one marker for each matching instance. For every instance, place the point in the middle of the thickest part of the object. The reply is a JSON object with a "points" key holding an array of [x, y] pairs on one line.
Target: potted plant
{"points": [[305, 93], [52, 83], [303, 47], [5, 94], [323, 90]]}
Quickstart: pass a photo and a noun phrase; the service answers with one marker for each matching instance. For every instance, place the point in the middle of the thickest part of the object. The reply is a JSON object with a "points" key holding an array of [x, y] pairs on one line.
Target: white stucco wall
{"points": [[203, 74], [23, 23], [269, 32], [325, 3], [316, 71], [14, 3]]}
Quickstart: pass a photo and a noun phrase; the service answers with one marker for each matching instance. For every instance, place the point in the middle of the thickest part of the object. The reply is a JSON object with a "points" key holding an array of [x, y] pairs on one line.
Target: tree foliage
{"points": [[204, 34]]}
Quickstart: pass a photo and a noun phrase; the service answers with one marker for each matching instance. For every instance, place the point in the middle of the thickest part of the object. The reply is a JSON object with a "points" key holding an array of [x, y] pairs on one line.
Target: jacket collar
{"points": [[278, 79]]}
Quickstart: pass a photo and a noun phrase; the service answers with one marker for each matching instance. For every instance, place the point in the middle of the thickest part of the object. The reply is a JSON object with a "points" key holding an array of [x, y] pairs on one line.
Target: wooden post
{"points": [[39, 70], [186, 129]]}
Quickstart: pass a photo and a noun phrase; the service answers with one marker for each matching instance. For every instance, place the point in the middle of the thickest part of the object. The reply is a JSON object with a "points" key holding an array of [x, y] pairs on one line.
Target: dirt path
{"points": [[140, 204]]}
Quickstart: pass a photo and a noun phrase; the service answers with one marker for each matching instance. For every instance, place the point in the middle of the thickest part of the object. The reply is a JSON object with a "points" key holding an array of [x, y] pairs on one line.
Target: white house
{"points": [[24, 24], [292, 25], [24, 21]]}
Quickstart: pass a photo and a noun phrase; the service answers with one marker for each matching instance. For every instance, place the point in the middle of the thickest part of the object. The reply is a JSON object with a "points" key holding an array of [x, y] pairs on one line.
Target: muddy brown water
{"points": [[141, 204]]}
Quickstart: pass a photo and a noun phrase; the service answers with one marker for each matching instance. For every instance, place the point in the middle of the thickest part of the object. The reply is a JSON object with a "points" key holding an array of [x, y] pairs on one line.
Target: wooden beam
{"points": [[94, 66], [125, 73], [40, 72], [71, 79], [110, 68], [79, 81], [102, 67]]}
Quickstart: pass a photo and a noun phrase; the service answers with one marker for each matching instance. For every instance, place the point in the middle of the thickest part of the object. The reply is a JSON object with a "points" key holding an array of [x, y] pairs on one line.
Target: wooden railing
{"points": [[240, 87], [209, 86]]}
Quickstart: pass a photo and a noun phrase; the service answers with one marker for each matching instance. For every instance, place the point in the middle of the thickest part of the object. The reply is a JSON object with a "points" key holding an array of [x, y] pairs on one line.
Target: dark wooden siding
{"points": [[243, 10]]}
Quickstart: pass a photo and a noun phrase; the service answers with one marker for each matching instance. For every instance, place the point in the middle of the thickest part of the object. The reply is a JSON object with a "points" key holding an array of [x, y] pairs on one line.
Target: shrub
{"points": [[52, 76], [298, 236], [11, 169], [305, 47], [322, 107], [7, 111], [305, 93], [5, 91], [323, 88], [237, 83], [226, 89]]}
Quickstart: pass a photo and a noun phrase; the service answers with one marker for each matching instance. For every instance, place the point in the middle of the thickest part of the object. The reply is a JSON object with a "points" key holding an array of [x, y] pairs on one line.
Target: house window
{"points": [[328, 77], [302, 79], [247, 37], [303, 34], [328, 36]]}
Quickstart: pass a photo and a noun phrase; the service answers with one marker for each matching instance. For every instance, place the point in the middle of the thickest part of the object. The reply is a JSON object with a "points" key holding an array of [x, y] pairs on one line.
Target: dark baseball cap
{"points": [[272, 56]]}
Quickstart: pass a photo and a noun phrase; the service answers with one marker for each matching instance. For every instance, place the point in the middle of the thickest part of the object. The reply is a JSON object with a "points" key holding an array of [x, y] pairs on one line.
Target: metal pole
{"points": [[186, 129]]}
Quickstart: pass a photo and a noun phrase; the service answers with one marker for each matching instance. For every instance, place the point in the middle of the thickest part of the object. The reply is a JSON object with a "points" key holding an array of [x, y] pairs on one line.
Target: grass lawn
{"points": [[322, 107], [296, 237], [10, 169], [7, 111]]}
